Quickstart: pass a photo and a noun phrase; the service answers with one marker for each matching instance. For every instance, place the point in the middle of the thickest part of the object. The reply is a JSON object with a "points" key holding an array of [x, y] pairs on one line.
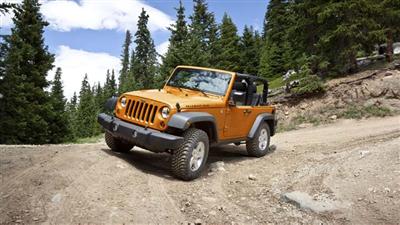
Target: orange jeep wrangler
{"points": [[197, 108]]}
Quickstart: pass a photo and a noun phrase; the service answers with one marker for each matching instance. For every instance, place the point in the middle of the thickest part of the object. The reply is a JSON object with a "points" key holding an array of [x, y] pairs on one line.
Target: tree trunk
{"points": [[389, 46], [353, 62]]}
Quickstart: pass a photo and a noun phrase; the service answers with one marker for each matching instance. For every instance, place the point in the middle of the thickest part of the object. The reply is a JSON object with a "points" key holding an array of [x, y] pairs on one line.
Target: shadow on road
{"points": [[159, 163]]}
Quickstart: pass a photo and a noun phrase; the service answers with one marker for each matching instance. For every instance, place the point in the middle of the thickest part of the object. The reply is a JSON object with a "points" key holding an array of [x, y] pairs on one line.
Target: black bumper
{"points": [[147, 138]]}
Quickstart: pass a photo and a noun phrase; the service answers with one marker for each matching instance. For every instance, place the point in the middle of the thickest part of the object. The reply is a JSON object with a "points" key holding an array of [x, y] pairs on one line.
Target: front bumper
{"points": [[147, 138]]}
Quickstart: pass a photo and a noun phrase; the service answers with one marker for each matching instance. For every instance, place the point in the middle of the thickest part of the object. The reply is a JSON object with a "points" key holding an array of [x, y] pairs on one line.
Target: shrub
{"points": [[308, 82], [358, 112]]}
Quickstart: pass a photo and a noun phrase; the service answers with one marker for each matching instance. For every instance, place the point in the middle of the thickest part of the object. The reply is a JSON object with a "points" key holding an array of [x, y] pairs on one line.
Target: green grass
{"points": [[300, 119], [87, 140], [322, 116], [276, 83], [358, 112]]}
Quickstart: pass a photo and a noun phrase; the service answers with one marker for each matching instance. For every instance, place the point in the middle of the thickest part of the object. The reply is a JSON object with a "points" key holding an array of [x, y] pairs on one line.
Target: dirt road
{"points": [[343, 173]]}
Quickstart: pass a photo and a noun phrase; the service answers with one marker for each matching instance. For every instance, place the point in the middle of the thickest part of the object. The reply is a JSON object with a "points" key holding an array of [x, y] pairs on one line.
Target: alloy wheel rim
{"points": [[197, 156], [263, 140]]}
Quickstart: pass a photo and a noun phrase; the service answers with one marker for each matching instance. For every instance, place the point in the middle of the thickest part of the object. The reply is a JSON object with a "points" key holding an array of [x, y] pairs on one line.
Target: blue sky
{"points": [[86, 35]]}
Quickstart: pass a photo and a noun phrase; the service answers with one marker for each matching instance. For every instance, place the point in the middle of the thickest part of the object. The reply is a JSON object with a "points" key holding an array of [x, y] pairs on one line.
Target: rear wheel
{"points": [[258, 146], [189, 159], [117, 145]]}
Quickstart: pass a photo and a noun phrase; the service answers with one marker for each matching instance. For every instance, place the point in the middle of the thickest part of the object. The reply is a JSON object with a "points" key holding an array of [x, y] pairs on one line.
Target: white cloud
{"points": [[162, 48], [76, 63], [65, 15]]}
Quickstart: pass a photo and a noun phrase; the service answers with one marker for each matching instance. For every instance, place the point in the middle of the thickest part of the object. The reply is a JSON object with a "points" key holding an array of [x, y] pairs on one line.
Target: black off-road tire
{"points": [[180, 164], [253, 144], [116, 144]]}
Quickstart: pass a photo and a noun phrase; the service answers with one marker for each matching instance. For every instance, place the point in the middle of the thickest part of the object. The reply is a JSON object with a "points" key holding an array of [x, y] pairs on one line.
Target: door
{"points": [[239, 120]]}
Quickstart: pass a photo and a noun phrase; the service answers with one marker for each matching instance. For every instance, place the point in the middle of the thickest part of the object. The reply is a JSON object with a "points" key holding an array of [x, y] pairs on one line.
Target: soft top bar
{"points": [[251, 77]]}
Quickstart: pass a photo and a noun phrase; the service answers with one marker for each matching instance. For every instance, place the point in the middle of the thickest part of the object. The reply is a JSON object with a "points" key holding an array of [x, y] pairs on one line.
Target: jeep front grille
{"points": [[141, 111]]}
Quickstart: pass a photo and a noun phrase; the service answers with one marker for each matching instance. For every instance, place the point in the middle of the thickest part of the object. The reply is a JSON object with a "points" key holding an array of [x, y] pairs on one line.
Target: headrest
{"points": [[240, 86]]}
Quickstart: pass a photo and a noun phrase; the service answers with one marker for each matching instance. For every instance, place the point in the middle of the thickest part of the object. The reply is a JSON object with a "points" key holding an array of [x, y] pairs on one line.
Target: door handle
{"points": [[247, 111]]}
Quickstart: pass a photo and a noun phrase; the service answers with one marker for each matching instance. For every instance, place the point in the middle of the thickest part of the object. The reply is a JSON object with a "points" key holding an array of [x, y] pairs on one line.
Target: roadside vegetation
{"points": [[328, 115]]}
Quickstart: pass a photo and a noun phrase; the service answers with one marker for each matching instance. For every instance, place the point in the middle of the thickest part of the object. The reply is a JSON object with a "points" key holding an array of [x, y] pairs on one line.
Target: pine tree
{"points": [[58, 125], [250, 45], [229, 56], [109, 86], [130, 83], [72, 118], [271, 61], [99, 100], [112, 85], [109, 89], [388, 16], [145, 64], [123, 75], [98, 96], [203, 36], [86, 113], [346, 27], [178, 52], [25, 106], [3, 52], [6, 7]]}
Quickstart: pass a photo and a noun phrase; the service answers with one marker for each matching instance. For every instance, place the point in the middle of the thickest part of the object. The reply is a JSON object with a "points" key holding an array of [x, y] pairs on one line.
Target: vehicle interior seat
{"points": [[239, 90], [254, 98]]}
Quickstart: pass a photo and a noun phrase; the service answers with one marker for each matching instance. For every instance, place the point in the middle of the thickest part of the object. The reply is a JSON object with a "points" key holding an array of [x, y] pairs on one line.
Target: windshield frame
{"points": [[177, 69]]}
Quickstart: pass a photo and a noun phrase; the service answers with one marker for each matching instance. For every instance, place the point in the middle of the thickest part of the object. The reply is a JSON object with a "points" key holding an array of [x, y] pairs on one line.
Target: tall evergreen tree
{"points": [[178, 51], [25, 106], [58, 125], [145, 64], [98, 94], [388, 16], [6, 7], [271, 61], [109, 89], [130, 83], [99, 101], [229, 56], [124, 75], [86, 113], [112, 84], [72, 117], [3, 53], [250, 45], [346, 28], [203, 36]]}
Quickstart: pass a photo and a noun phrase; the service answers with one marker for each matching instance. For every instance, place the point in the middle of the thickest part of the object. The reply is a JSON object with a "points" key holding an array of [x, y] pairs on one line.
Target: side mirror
{"points": [[231, 102]]}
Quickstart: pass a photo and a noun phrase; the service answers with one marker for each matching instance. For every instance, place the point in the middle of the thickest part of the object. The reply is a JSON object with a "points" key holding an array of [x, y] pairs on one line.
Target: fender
{"points": [[263, 117], [111, 103], [183, 120]]}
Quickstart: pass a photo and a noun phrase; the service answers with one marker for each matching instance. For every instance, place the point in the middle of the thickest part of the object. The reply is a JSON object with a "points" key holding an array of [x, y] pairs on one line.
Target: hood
{"points": [[185, 98]]}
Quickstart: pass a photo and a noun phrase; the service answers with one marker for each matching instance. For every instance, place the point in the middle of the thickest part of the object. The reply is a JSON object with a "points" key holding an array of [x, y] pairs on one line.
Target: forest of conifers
{"points": [[316, 38]]}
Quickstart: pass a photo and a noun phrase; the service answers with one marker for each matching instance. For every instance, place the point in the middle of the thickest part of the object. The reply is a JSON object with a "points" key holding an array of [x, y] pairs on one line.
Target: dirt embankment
{"points": [[342, 173], [372, 93]]}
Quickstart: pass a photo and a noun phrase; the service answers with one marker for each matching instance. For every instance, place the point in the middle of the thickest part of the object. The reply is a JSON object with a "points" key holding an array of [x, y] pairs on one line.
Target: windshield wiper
{"points": [[198, 89], [179, 88]]}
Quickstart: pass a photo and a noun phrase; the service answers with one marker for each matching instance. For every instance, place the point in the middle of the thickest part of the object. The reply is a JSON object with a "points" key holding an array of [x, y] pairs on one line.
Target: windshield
{"points": [[202, 80]]}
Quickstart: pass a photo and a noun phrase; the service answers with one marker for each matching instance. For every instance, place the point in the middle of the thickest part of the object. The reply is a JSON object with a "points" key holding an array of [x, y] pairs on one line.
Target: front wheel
{"points": [[116, 144], [189, 159], [258, 146]]}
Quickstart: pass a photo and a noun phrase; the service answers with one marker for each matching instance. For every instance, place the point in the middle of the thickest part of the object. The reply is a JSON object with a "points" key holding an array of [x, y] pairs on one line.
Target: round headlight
{"points": [[165, 112], [123, 102]]}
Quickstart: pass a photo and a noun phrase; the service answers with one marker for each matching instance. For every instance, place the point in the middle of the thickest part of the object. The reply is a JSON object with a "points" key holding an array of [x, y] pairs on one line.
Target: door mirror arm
{"points": [[231, 102]]}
